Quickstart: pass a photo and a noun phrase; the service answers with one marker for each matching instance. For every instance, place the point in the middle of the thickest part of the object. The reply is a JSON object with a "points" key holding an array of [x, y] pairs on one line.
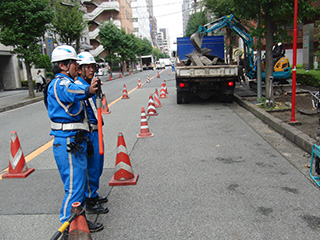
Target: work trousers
{"points": [[73, 172], [95, 167]]}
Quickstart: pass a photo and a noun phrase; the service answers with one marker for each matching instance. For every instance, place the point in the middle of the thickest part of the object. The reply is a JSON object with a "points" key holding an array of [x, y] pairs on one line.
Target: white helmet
{"points": [[85, 58], [62, 53]]}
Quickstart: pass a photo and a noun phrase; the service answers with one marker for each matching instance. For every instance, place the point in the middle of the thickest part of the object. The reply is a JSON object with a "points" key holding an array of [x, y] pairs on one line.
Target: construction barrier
{"points": [[17, 163], [144, 128], [148, 79], [151, 107], [123, 169]]}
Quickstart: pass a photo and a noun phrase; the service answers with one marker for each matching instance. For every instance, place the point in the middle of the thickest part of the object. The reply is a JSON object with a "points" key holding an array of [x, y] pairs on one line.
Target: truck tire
{"points": [[183, 97]]}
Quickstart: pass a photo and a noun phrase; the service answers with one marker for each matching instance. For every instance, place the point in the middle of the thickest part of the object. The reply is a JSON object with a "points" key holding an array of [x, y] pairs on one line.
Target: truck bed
{"points": [[215, 71]]}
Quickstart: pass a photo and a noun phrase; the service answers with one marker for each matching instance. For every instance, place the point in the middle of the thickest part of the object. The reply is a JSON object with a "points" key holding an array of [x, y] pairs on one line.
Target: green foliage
{"points": [[195, 20], [156, 52], [43, 62], [127, 50], [145, 47], [22, 24], [68, 22], [310, 78]]}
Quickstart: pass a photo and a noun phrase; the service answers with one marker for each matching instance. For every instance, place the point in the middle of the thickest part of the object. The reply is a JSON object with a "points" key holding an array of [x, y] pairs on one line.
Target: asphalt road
{"points": [[212, 171]]}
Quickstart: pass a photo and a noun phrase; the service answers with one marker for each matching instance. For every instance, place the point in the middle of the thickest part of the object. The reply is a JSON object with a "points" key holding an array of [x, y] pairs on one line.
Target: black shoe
{"points": [[102, 199], [94, 227], [95, 207]]}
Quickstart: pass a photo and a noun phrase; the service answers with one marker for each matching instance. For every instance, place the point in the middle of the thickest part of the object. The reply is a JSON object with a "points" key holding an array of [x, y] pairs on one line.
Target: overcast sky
{"points": [[169, 15]]}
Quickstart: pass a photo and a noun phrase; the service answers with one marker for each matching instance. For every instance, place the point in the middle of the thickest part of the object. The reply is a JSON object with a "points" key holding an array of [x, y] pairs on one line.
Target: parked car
{"points": [[102, 69], [160, 65]]}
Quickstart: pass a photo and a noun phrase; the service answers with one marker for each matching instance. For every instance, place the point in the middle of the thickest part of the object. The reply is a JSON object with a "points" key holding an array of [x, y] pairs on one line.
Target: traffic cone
{"points": [[144, 128], [165, 86], [162, 92], [105, 108], [120, 74], [158, 75], [169, 71], [17, 164], [151, 107], [110, 79], [129, 72], [123, 170], [125, 93], [148, 79], [78, 228], [139, 83], [157, 102]]}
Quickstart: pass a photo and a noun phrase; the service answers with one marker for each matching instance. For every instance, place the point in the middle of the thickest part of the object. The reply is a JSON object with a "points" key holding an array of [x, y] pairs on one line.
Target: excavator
{"points": [[281, 66]]}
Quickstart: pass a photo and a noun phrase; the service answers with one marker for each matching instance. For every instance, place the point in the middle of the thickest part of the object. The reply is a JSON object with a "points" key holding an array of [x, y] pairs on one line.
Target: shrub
{"points": [[310, 78]]}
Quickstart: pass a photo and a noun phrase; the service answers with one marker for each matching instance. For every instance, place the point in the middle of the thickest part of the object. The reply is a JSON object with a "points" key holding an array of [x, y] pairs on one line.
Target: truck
{"points": [[147, 62], [166, 61], [204, 80]]}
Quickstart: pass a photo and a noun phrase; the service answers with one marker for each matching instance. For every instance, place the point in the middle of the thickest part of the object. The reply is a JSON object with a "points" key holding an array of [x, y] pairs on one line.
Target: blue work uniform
{"points": [[66, 111], [96, 161]]}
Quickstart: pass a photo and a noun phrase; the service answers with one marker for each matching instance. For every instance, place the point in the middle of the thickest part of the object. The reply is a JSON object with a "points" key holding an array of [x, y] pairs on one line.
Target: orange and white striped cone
{"points": [[158, 75], [162, 92], [151, 107], [139, 83], [120, 76], [17, 164], [148, 79], [144, 128], [78, 228], [165, 86], [157, 102], [123, 169], [105, 108], [125, 93]]}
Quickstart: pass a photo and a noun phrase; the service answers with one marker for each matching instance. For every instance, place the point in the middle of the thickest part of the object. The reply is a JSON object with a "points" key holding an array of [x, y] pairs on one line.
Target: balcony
{"points": [[105, 6]]}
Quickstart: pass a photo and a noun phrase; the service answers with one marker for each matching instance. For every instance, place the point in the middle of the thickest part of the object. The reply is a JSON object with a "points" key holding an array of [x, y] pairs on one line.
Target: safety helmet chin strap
{"points": [[84, 75], [69, 64]]}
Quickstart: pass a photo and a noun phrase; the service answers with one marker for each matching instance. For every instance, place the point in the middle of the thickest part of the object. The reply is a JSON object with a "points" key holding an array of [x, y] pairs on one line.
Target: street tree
{"points": [[145, 47], [128, 47], [110, 36], [22, 25], [68, 23], [195, 20]]}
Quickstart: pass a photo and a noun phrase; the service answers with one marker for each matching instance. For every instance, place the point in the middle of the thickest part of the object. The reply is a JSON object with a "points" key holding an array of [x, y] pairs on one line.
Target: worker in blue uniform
{"points": [[70, 128], [87, 67]]}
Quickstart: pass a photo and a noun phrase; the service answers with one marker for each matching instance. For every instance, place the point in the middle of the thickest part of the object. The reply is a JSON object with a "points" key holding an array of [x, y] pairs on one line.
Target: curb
{"points": [[21, 104], [296, 136]]}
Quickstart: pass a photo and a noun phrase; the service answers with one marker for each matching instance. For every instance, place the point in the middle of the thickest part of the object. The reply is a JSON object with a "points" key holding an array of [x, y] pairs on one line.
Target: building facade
{"points": [[140, 19]]}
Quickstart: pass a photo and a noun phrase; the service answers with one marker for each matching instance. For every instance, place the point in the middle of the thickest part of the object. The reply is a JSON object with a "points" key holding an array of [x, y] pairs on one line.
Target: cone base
{"points": [[106, 112], [143, 135], [125, 98], [152, 114], [132, 181], [18, 175], [163, 97]]}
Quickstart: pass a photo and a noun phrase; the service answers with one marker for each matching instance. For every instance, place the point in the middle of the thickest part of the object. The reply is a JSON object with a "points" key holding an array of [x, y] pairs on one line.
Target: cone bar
{"points": [[123, 170], [105, 108], [157, 102], [144, 129], [124, 93], [151, 107], [17, 164]]}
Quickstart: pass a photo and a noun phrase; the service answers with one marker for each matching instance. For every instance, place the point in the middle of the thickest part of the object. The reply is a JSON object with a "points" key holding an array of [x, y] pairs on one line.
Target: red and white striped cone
{"points": [[17, 164], [105, 108], [125, 93], [165, 86], [78, 228], [151, 107], [144, 128], [148, 79], [162, 92], [157, 102], [139, 83], [158, 75], [120, 76], [123, 169]]}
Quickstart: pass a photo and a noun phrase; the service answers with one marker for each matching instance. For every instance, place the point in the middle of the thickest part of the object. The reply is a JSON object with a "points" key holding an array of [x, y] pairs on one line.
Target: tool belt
{"points": [[93, 127], [75, 146], [69, 126]]}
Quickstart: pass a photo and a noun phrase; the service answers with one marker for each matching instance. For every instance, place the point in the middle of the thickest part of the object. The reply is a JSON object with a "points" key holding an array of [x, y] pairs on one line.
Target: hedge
{"points": [[309, 78]]}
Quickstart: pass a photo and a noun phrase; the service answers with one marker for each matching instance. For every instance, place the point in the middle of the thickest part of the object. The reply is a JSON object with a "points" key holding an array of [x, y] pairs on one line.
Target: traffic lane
{"points": [[32, 125], [206, 175]]}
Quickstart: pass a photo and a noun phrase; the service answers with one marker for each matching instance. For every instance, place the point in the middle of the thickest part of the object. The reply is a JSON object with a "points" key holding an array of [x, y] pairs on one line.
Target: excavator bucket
{"points": [[196, 40]]}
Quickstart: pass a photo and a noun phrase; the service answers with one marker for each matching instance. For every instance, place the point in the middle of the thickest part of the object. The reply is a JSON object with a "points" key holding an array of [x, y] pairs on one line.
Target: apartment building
{"points": [[99, 11], [140, 19]]}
